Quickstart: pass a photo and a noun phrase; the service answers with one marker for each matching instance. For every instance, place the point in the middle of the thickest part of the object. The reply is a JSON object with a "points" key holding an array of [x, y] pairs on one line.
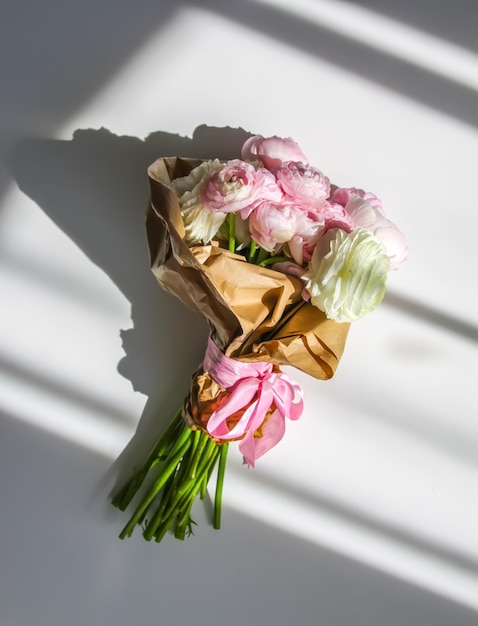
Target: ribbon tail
{"points": [[252, 448]]}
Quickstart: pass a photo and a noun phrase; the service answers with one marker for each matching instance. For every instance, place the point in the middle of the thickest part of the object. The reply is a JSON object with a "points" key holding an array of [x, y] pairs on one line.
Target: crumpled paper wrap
{"points": [[254, 313]]}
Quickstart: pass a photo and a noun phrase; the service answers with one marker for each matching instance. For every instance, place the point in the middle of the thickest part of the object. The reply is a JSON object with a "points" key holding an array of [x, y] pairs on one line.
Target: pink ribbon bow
{"points": [[258, 387]]}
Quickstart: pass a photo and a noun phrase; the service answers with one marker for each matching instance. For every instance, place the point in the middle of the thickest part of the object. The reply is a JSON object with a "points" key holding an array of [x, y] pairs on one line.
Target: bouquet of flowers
{"points": [[279, 262]]}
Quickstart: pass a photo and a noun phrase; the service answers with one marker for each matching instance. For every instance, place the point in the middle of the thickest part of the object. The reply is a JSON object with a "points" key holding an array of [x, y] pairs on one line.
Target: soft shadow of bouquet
{"points": [[279, 262]]}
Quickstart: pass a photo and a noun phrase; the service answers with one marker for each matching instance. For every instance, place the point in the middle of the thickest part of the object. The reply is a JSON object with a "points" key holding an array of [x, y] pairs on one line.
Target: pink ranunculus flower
{"points": [[393, 241], [302, 247], [303, 183], [313, 224], [289, 268], [272, 224], [364, 215], [237, 186], [342, 195], [272, 151], [309, 227], [336, 216]]}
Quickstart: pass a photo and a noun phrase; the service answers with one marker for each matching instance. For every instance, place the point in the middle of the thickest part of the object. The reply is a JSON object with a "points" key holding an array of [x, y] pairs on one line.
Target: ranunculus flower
{"points": [[342, 195], [237, 186], [347, 274], [189, 183], [200, 227], [289, 268], [303, 183], [335, 216], [302, 247], [313, 224], [393, 240], [309, 227], [364, 215], [272, 151], [272, 224]]}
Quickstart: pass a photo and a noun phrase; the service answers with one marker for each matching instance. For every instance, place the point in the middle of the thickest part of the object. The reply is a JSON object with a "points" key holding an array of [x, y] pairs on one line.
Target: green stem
{"points": [[232, 232], [193, 466], [184, 477], [219, 485], [162, 530], [211, 451], [157, 521], [193, 449], [185, 510], [166, 495], [184, 522], [158, 484], [192, 489], [203, 488], [263, 255], [192, 483], [183, 499], [127, 493], [252, 251], [274, 259]]}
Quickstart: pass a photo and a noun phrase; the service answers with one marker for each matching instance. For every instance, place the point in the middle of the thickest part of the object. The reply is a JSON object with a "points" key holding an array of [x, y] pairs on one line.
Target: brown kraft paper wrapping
{"points": [[254, 313]]}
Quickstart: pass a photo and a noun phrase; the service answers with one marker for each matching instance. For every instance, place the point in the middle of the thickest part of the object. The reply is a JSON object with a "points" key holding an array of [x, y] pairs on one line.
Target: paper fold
{"points": [[254, 313]]}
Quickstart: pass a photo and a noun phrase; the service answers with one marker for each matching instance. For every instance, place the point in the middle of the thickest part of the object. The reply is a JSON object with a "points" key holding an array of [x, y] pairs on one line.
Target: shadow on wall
{"points": [[95, 188], [55, 56], [452, 21]]}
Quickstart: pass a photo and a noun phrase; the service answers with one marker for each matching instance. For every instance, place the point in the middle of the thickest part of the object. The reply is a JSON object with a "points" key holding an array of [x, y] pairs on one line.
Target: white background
{"points": [[366, 512]]}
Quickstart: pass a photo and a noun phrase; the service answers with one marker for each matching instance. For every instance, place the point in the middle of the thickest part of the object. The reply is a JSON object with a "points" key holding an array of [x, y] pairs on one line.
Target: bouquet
{"points": [[279, 262]]}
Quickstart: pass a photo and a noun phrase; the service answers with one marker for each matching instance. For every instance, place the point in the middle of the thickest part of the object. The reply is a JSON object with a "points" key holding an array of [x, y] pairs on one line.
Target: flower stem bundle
{"points": [[184, 460]]}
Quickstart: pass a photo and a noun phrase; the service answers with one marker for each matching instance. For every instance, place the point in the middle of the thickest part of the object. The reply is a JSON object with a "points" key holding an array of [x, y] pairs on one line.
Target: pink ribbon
{"points": [[258, 387]]}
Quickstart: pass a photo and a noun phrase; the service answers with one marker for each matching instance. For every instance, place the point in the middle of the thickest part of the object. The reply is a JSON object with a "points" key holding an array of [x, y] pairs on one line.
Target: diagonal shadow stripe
{"points": [[60, 389], [396, 534], [428, 314], [437, 92]]}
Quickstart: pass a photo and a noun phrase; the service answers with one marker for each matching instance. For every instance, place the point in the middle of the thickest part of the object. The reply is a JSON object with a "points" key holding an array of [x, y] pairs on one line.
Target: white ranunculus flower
{"points": [[347, 274], [200, 227]]}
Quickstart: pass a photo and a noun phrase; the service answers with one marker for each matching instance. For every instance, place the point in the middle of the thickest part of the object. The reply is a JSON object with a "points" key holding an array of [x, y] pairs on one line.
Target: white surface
{"points": [[366, 512]]}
